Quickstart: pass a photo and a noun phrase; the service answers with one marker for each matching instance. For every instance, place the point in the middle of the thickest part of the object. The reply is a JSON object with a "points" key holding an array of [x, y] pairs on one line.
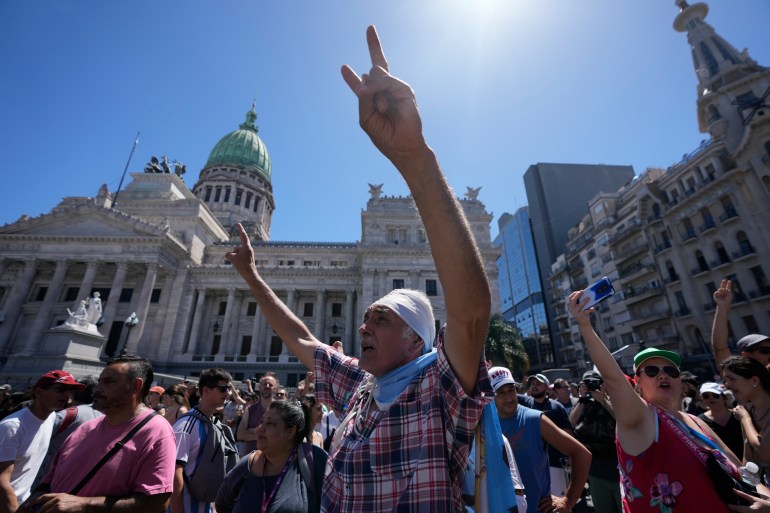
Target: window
{"points": [[126, 295], [421, 238], [431, 288], [251, 308], [307, 311], [276, 344], [256, 203], [208, 194], [751, 324], [245, 345], [41, 291], [72, 294], [248, 199], [336, 309], [155, 296], [238, 196], [222, 307], [227, 195], [217, 194], [759, 277], [398, 284], [215, 344]]}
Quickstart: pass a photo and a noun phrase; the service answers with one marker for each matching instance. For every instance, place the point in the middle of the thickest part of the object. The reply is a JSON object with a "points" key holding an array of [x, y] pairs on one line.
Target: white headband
{"points": [[413, 307]]}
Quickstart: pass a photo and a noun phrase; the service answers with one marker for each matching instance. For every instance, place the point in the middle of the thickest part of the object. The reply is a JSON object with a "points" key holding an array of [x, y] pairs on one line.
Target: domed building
{"points": [[155, 252]]}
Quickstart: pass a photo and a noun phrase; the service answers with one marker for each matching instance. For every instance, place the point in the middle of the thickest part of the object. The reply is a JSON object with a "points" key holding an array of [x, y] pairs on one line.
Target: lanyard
{"points": [[266, 500]]}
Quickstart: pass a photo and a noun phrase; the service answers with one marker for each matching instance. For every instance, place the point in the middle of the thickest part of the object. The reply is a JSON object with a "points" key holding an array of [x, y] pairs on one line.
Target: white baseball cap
{"points": [[500, 376]]}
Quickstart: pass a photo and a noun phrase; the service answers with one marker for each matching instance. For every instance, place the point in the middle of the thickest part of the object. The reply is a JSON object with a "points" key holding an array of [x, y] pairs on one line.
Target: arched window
{"points": [[700, 260], [672, 276], [744, 244], [722, 255]]}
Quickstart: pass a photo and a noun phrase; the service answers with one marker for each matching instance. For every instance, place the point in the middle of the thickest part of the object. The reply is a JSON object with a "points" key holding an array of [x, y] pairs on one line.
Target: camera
{"points": [[592, 385], [598, 292]]}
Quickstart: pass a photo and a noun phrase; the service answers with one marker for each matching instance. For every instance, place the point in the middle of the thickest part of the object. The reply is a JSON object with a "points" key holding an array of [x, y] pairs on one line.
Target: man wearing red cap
{"points": [[24, 436], [138, 478]]}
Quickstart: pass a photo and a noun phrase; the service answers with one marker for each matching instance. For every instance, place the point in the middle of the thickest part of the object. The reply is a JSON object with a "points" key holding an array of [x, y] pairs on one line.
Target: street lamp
{"points": [[131, 321]]}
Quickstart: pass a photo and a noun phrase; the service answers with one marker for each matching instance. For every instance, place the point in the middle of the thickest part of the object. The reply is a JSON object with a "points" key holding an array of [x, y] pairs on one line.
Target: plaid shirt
{"points": [[411, 457]]}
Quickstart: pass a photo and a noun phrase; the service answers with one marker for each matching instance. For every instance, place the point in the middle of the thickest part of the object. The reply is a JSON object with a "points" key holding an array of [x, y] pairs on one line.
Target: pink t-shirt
{"points": [[144, 465]]}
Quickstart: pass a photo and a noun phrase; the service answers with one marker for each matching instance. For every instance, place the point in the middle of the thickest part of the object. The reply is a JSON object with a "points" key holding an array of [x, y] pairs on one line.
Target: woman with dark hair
{"points": [[175, 401], [315, 412], [749, 381], [284, 475]]}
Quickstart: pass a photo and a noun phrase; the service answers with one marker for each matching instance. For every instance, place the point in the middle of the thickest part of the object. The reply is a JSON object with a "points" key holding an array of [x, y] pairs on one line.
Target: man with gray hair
{"points": [[410, 409]]}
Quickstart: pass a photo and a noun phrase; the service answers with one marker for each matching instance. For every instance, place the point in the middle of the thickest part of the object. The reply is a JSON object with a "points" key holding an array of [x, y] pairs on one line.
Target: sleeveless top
{"points": [[666, 478]]}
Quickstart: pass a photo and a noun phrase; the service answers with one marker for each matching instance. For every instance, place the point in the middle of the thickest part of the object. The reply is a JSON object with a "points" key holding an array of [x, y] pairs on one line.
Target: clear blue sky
{"points": [[501, 84]]}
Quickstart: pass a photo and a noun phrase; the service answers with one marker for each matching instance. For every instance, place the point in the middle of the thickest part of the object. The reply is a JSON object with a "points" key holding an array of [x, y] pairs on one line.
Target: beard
{"points": [[538, 395]]}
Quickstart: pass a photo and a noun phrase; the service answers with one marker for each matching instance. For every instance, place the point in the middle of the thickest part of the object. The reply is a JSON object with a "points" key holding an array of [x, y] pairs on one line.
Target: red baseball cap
{"points": [[58, 377]]}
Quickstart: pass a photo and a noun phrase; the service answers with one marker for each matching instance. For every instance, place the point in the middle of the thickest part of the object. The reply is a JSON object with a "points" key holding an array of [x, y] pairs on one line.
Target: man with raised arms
{"points": [[410, 409]]}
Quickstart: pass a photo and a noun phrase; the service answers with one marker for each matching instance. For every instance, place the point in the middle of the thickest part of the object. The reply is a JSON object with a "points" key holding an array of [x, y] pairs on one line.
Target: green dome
{"points": [[243, 148]]}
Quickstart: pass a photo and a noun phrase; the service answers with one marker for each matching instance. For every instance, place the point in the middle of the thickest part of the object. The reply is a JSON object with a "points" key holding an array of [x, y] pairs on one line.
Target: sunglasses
{"points": [[651, 371], [280, 394], [761, 350], [223, 388], [710, 395]]}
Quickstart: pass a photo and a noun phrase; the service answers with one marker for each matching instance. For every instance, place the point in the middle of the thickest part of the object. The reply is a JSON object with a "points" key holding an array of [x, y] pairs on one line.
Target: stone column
{"points": [[88, 281], [111, 306], [175, 316], [43, 319], [157, 324], [226, 343], [414, 280], [16, 299], [320, 310], [192, 344], [256, 330], [142, 307], [350, 330], [291, 300]]}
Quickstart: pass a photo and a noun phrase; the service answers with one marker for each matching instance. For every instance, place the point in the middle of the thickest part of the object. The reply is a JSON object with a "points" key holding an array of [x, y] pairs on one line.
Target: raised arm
{"points": [[388, 114], [634, 419], [292, 331], [723, 297]]}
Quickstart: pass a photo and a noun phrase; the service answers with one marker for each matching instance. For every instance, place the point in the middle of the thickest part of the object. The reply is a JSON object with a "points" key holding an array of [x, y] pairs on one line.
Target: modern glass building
{"points": [[521, 296]]}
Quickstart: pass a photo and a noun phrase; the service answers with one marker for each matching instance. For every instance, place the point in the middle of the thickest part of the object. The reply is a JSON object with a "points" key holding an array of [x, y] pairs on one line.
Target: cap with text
{"points": [[500, 376]]}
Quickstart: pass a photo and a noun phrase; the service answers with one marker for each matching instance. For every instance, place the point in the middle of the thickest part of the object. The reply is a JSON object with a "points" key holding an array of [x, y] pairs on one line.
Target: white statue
{"points": [[94, 305], [79, 317]]}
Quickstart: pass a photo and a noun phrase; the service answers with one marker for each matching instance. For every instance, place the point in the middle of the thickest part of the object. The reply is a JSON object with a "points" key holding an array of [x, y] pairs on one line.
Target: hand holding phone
{"points": [[598, 292]]}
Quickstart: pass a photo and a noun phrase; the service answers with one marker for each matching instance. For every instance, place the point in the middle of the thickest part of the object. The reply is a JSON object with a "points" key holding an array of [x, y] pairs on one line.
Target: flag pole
{"points": [[133, 148]]}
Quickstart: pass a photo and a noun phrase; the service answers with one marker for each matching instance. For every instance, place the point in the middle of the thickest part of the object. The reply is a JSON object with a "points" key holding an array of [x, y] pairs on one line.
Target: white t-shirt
{"points": [[24, 440]]}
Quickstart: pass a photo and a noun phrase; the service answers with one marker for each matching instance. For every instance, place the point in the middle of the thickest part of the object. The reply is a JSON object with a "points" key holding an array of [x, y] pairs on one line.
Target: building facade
{"points": [[672, 235], [157, 249], [557, 195]]}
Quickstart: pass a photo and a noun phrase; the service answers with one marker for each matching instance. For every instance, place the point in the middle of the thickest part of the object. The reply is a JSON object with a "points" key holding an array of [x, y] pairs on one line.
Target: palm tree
{"points": [[504, 347]]}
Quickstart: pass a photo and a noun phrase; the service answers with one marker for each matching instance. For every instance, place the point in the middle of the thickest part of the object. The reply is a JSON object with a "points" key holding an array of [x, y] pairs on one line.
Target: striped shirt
{"points": [[411, 457], [191, 436]]}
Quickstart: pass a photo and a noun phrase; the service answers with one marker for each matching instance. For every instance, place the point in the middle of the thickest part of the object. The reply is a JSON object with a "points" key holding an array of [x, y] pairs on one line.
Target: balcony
{"points": [[670, 280], [728, 214], [697, 271], [629, 252], [634, 270], [655, 218], [663, 247], [683, 312], [759, 293], [580, 283], [656, 316], [637, 294], [745, 251], [631, 228], [719, 263], [690, 235], [707, 226]]}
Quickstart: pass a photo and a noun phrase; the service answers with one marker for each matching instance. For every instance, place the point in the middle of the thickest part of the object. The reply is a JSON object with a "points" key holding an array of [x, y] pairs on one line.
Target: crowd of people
{"points": [[419, 422]]}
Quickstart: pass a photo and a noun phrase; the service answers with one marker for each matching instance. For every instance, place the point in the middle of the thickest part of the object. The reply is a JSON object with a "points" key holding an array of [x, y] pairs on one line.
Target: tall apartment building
{"points": [[521, 295], [673, 235], [557, 195]]}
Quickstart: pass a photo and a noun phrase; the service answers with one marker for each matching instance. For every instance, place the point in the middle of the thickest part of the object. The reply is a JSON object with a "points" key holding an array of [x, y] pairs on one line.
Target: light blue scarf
{"points": [[389, 386], [500, 492]]}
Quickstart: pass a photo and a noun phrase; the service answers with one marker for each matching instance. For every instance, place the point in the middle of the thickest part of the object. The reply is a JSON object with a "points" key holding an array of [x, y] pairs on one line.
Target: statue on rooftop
{"points": [[153, 166], [472, 194], [375, 190]]}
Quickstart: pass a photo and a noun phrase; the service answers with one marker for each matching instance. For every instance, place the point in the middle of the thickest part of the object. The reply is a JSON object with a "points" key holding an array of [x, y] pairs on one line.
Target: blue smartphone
{"points": [[598, 292]]}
